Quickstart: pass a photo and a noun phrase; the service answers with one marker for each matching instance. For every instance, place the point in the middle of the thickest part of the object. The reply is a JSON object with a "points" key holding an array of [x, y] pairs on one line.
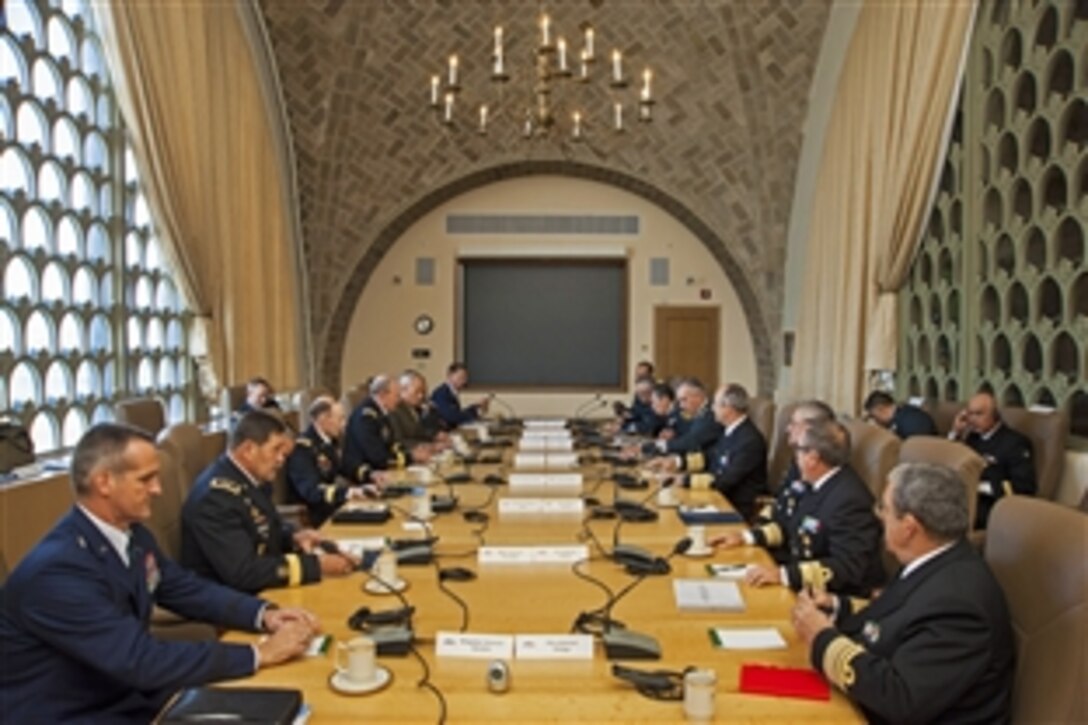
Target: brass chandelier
{"points": [[559, 86]]}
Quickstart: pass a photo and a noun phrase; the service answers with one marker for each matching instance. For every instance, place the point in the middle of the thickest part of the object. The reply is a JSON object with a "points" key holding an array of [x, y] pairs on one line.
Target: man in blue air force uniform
{"points": [[74, 638]]}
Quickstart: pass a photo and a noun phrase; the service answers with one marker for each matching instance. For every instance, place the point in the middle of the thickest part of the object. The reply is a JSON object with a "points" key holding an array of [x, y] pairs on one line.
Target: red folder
{"points": [[784, 682]]}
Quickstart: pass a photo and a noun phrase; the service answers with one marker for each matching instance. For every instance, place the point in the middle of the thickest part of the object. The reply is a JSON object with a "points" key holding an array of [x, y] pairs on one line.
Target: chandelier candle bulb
{"points": [[453, 71], [499, 60], [617, 66], [545, 31], [483, 119], [447, 116], [562, 46], [588, 52], [434, 91], [585, 64], [576, 132], [647, 76], [618, 116]]}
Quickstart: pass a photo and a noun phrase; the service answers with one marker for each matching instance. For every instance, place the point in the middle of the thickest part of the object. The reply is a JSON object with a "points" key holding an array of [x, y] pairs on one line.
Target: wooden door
{"points": [[686, 343]]}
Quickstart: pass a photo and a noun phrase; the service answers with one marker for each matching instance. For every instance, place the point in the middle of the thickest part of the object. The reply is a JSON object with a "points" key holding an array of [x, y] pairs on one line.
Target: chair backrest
{"points": [[761, 413], [192, 449], [943, 413], [953, 454], [352, 398], [28, 509], [779, 452], [145, 413], [873, 452], [1048, 432], [231, 397], [165, 521], [1036, 550]]}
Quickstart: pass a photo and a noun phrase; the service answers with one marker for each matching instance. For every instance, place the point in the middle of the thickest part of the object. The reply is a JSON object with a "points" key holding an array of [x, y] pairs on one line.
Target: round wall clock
{"points": [[424, 324]]}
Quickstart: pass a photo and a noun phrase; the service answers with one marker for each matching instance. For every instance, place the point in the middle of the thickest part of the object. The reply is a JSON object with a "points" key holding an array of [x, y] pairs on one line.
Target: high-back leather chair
{"points": [[352, 398], [761, 413], [952, 454], [1048, 432], [1036, 549], [231, 397], [780, 454], [147, 414], [192, 449], [874, 451], [943, 413], [165, 521]]}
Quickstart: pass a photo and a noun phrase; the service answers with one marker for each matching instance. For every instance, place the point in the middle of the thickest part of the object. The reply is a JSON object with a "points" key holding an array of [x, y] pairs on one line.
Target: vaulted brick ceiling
{"points": [[732, 77]]}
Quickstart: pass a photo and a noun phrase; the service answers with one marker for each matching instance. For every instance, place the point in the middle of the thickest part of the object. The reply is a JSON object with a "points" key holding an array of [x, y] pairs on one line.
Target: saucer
{"points": [[374, 586], [339, 682], [700, 553], [675, 503]]}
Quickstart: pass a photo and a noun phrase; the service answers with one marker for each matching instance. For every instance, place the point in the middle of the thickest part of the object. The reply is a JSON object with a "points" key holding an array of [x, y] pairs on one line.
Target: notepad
{"points": [[707, 595], [783, 682], [747, 638]]}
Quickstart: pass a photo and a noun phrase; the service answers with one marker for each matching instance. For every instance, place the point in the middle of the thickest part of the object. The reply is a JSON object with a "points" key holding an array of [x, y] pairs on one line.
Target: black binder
{"points": [[229, 704]]}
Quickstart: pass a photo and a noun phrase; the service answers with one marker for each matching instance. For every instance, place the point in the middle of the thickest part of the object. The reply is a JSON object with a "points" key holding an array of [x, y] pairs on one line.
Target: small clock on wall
{"points": [[423, 324]]}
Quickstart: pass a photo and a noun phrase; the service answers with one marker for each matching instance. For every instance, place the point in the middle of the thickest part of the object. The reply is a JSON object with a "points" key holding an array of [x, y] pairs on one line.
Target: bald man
{"points": [[1010, 465]]}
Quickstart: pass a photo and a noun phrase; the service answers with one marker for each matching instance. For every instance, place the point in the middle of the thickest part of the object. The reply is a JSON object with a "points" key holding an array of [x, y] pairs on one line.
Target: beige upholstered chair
{"points": [[873, 452], [192, 449], [779, 448], [943, 413], [353, 397], [231, 397], [1048, 432], [144, 413], [953, 454], [1036, 550], [761, 412]]}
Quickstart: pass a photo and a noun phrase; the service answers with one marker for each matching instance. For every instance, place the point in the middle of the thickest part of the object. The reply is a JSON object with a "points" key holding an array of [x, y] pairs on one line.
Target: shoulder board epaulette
{"points": [[370, 412], [303, 441], [225, 484]]}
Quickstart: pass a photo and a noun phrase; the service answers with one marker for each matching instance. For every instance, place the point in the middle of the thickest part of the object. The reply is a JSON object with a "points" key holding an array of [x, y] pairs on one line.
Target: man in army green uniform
{"points": [[231, 532], [823, 532], [416, 425]]}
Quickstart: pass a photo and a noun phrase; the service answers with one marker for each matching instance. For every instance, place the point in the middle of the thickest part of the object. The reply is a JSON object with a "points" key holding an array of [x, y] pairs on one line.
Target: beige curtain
{"points": [[188, 89], [880, 161]]}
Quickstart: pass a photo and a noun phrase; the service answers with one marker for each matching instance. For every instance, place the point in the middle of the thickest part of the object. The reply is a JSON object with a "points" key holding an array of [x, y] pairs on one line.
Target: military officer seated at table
{"points": [[695, 430], [1010, 465], [937, 644], [414, 419], [259, 396], [805, 413], [823, 532], [74, 638], [314, 474], [639, 418], [903, 420], [231, 531], [736, 465], [370, 448], [447, 398]]}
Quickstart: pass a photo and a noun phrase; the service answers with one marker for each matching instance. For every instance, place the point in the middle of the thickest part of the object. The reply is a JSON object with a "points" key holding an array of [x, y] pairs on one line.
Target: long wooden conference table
{"points": [[543, 599]]}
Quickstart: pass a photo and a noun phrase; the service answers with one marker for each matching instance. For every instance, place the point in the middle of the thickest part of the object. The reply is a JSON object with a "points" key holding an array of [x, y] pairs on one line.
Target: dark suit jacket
{"points": [[74, 639], [829, 537], [694, 434], [736, 466], [448, 405], [640, 419], [313, 476], [1010, 467], [934, 647], [232, 533], [910, 420], [369, 444]]}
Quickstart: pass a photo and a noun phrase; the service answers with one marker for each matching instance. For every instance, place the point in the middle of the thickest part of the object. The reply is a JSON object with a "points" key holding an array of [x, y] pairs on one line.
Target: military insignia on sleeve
{"points": [[871, 632], [151, 572], [798, 487], [811, 525]]}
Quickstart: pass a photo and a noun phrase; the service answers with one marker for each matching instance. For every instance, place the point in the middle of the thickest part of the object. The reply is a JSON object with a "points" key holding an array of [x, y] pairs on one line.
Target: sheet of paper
{"points": [[356, 547], [707, 595], [529, 460], [747, 638], [553, 647], [532, 554], [541, 506], [474, 646], [538, 423], [527, 479]]}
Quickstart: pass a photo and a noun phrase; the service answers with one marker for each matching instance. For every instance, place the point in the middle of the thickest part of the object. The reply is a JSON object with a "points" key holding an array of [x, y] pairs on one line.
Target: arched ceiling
{"points": [[732, 79]]}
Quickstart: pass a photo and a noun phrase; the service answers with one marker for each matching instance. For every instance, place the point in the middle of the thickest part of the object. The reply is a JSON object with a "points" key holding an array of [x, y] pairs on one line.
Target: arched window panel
{"points": [[102, 414], [30, 125], [43, 431], [55, 283], [135, 333], [105, 290], [68, 237], [15, 173], [36, 230], [84, 287], [181, 364], [52, 185], [40, 335], [12, 66], [91, 60], [101, 337], [26, 386], [88, 381], [143, 293], [141, 215], [95, 154], [20, 280], [77, 9], [71, 333], [105, 199], [166, 297], [58, 383], [7, 118], [105, 110], [145, 375], [9, 233], [66, 139], [60, 40], [134, 250], [4, 394], [167, 375], [10, 341], [132, 174], [153, 255], [98, 244], [156, 334], [75, 425], [23, 19], [174, 335], [84, 197], [108, 386], [80, 98], [177, 408], [46, 83]]}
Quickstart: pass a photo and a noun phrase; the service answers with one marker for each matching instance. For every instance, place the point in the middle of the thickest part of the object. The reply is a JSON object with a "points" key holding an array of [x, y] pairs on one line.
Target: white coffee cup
{"points": [[423, 474], [697, 534], [361, 667], [699, 686], [422, 506], [666, 497], [386, 567]]}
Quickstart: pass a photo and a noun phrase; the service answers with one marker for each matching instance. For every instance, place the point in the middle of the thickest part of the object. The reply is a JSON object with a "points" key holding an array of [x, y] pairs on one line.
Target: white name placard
{"points": [[553, 647], [545, 444], [515, 506], [475, 646], [547, 461], [541, 423], [532, 554], [564, 480]]}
